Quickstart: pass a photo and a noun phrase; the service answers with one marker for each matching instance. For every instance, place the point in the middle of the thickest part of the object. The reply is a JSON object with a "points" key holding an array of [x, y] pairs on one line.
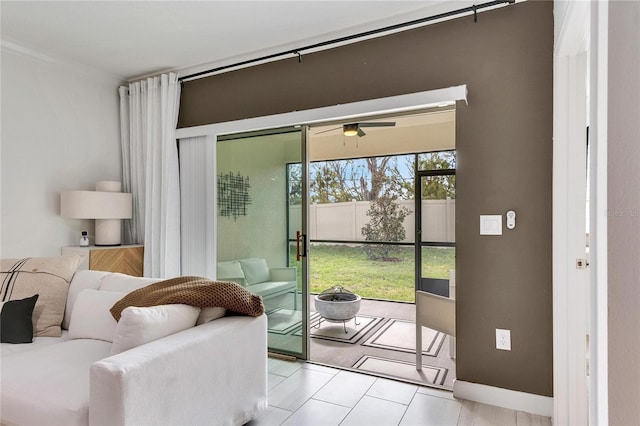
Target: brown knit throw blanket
{"points": [[194, 291]]}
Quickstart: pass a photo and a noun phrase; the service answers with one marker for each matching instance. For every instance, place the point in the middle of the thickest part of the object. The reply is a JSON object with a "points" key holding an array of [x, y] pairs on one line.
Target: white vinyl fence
{"points": [[344, 221]]}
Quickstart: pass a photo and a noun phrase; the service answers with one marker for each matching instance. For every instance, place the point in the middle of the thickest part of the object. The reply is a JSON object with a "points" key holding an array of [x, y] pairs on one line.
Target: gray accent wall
{"points": [[504, 145]]}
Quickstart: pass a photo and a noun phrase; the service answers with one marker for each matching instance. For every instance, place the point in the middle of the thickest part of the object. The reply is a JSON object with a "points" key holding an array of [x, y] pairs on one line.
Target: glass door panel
{"points": [[435, 223], [438, 270], [256, 210], [435, 228]]}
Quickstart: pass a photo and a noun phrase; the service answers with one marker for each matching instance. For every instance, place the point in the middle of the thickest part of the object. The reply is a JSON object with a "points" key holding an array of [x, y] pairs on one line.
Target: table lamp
{"points": [[107, 205]]}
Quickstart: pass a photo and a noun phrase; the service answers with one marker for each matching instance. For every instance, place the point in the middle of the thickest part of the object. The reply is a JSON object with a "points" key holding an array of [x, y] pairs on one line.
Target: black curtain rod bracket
{"points": [[471, 9]]}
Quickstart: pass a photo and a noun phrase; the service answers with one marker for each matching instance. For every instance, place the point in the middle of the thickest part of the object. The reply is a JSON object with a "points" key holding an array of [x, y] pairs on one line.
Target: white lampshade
{"points": [[108, 208], [95, 205]]}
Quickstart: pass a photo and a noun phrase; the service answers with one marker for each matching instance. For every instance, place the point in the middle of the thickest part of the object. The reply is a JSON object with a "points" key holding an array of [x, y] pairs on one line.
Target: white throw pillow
{"points": [[90, 318], [116, 281], [138, 326], [82, 280], [210, 314]]}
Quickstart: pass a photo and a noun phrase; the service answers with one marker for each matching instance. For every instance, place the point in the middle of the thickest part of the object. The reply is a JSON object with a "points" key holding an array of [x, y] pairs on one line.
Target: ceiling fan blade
{"points": [[330, 130], [378, 124], [360, 132]]}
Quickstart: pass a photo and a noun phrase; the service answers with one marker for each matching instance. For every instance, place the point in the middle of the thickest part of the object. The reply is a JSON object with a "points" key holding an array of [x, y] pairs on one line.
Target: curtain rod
{"points": [[298, 51]]}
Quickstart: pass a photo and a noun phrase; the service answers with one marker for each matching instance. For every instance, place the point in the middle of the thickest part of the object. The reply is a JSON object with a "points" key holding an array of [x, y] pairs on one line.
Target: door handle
{"points": [[301, 238]]}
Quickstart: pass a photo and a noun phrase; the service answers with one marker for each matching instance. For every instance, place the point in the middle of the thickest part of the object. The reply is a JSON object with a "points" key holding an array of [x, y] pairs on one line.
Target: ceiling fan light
{"points": [[350, 129]]}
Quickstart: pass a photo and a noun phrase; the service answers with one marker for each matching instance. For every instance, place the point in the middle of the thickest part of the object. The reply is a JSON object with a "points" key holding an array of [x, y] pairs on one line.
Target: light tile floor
{"points": [[313, 395]]}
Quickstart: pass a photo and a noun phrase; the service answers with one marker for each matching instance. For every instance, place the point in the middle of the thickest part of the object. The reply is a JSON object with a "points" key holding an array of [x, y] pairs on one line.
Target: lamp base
{"points": [[108, 232]]}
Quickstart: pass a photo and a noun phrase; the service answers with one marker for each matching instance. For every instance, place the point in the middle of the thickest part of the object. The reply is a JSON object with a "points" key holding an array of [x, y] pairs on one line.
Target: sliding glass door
{"points": [[258, 211]]}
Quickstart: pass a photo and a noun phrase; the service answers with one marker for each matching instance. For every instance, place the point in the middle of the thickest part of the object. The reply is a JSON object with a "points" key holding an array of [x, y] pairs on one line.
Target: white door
{"points": [[570, 264]]}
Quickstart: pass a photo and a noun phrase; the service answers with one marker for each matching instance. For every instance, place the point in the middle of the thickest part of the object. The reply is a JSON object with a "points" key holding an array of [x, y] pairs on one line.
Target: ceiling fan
{"points": [[353, 129]]}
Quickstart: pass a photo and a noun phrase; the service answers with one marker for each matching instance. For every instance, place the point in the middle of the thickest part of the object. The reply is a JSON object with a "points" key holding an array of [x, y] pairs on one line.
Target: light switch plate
{"points": [[490, 224]]}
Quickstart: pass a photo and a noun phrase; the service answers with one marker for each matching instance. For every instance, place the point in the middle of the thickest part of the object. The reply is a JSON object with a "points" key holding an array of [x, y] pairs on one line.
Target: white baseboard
{"points": [[506, 398]]}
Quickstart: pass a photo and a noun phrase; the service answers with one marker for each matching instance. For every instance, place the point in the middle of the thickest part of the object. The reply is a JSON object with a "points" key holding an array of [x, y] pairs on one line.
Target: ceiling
{"points": [[131, 39], [432, 130]]}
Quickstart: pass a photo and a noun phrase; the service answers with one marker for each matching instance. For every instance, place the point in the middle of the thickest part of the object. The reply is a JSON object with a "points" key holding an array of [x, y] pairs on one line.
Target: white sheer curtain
{"points": [[149, 115], [198, 201]]}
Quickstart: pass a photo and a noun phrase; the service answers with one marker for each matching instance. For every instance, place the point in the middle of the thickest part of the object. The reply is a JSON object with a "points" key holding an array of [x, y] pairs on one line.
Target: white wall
{"points": [[624, 212], [60, 130]]}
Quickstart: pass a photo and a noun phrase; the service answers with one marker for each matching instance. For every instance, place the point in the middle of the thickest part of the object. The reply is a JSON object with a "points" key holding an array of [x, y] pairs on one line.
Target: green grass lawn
{"points": [[348, 266]]}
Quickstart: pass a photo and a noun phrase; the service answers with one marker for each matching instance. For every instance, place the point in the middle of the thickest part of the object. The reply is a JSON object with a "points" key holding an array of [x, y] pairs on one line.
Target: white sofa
{"points": [[213, 373], [257, 277]]}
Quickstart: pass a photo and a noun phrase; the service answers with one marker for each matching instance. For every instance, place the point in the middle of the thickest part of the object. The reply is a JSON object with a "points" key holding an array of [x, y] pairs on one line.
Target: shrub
{"points": [[385, 225]]}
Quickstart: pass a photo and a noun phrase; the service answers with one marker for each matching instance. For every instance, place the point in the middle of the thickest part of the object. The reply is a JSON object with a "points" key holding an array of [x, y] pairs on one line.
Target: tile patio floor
{"points": [[346, 355]]}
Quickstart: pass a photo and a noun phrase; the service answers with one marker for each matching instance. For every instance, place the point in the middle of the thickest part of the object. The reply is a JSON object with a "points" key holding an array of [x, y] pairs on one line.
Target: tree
{"points": [[330, 183], [386, 216], [380, 175], [360, 179], [385, 224], [377, 168], [439, 188], [436, 187], [294, 179]]}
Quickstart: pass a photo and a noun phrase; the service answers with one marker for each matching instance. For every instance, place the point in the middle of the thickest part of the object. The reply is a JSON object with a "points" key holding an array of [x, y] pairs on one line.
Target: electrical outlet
{"points": [[503, 339]]}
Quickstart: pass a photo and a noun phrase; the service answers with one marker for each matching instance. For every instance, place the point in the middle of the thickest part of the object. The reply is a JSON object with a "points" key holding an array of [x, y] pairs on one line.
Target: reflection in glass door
{"points": [[254, 218]]}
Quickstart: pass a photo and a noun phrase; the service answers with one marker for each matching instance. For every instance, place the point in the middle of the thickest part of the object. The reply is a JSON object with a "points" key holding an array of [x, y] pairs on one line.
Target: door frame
{"points": [[306, 338], [389, 105], [580, 54], [302, 147], [598, 102]]}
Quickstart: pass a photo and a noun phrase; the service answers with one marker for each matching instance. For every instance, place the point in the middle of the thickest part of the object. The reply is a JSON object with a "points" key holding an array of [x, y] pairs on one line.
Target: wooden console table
{"points": [[126, 259]]}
